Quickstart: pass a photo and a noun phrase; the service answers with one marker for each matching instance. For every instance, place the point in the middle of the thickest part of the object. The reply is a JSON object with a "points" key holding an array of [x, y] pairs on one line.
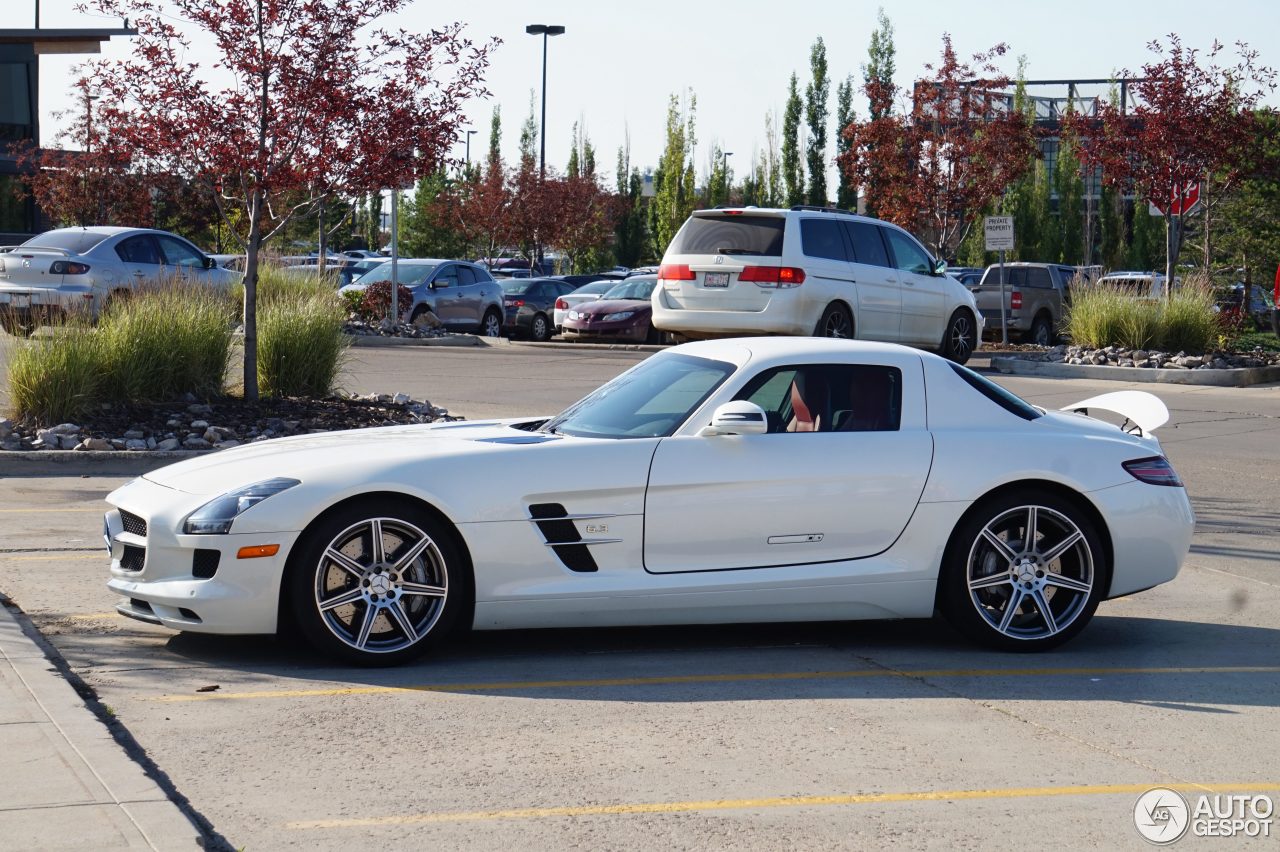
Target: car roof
{"points": [[739, 350], [106, 230]]}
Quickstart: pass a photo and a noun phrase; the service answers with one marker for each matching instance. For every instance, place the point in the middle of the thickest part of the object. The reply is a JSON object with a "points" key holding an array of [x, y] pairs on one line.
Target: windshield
{"points": [[73, 240], [516, 288], [596, 287], [637, 288], [650, 400], [409, 274]]}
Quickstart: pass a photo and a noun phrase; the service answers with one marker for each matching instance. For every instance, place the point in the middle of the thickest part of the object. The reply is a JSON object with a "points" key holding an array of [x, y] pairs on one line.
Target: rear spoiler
{"points": [[1143, 412], [42, 249]]}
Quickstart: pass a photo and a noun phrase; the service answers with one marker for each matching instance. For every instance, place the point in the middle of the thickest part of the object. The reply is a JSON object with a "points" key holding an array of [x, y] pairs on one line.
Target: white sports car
{"points": [[769, 479]]}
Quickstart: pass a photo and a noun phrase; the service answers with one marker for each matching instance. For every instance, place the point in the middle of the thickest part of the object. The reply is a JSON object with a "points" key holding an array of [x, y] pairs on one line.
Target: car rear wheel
{"points": [[961, 337], [18, 326], [491, 325], [1041, 333], [835, 322], [377, 583], [1024, 572], [539, 329]]}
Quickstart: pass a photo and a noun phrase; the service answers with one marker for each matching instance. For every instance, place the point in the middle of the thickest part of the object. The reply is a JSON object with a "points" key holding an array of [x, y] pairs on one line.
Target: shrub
{"points": [[166, 341], [301, 345], [275, 283], [1187, 320], [376, 303], [1103, 315], [57, 378], [1094, 317]]}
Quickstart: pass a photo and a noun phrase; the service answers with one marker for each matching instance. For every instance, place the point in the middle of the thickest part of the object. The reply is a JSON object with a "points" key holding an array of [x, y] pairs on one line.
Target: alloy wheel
{"points": [[837, 325], [1030, 572], [492, 325], [961, 338]]}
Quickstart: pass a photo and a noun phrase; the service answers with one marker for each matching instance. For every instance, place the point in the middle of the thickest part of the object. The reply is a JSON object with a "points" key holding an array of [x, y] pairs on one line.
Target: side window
{"points": [[868, 247], [139, 249], [447, 277], [829, 398], [821, 238], [466, 275], [907, 255], [1038, 277], [178, 253], [482, 275]]}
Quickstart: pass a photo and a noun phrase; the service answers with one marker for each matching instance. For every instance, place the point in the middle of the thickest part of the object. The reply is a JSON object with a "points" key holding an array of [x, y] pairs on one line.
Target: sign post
{"points": [[998, 231]]}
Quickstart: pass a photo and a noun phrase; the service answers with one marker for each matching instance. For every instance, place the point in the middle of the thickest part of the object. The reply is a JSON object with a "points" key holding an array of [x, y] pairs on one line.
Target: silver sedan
{"points": [[77, 270]]}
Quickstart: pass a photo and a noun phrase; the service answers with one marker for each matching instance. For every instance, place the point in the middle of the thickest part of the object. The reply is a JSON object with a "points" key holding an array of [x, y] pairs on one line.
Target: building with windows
{"points": [[20, 52]]}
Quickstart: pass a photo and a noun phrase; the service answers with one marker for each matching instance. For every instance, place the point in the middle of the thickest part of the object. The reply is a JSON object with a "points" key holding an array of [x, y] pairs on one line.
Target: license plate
{"points": [[20, 300], [715, 279]]}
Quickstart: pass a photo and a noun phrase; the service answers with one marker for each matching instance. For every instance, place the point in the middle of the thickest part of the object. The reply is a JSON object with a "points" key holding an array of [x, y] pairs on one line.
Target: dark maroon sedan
{"points": [[623, 313]]}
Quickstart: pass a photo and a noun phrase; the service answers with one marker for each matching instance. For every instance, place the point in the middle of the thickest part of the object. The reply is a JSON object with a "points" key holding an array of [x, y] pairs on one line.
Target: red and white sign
{"points": [[1184, 201]]}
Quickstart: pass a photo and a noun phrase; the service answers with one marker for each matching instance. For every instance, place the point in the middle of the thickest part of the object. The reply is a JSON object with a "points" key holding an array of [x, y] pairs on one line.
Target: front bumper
{"points": [[624, 330], [189, 582]]}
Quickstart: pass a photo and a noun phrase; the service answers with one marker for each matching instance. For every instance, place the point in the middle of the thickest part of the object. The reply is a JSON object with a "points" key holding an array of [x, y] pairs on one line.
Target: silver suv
{"points": [[810, 271], [1035, 297]]}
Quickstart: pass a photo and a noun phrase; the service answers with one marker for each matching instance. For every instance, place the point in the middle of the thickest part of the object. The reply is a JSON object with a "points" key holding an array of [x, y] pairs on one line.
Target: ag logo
{"points": [[1161, 815]]}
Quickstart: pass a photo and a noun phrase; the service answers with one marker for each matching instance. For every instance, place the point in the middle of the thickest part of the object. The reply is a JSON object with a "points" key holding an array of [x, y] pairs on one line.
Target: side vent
{"points": [[204, 563], [561, 534]]}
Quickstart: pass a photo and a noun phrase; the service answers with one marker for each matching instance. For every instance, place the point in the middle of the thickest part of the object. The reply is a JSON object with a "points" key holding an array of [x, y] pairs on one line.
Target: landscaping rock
{"points": [[196, 443], [96, 444], [135, 444], [6, 428], [168, 444], [200, 425]]}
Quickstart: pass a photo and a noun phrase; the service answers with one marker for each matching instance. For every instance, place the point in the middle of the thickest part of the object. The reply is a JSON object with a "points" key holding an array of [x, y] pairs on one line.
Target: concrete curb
{"points": [[90, 462], [450, 340], [589, 346], [79, 752], [1238, 378]]}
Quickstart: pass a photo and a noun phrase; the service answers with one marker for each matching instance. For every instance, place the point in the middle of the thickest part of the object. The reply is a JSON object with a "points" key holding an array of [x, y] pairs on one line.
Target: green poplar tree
{"points": [[422, 232], [1111, 246], [1146, 245], [1070, 187], [846, 195], [792, 164], [495, 137], [815, 114], [880, 65], [674, 194]]}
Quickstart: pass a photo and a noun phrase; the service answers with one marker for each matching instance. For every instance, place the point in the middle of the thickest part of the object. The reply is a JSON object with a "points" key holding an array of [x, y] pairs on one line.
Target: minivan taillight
{"points": [[782, 277], [676, 272], [1015, 300], [1154, 470]]}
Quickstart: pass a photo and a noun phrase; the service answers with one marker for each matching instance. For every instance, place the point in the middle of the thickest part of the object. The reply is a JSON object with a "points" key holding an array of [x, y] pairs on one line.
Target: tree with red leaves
{"points": [[934, 170], [583, 215], [480, 210], [1190, 120], [305, 101]]}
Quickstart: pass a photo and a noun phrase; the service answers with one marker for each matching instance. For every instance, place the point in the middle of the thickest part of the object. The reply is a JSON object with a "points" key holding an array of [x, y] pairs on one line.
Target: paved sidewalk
{"points": [[65, 783]]}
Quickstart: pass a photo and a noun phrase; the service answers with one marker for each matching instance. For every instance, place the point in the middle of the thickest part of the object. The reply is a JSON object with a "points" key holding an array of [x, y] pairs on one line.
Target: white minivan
{"points": [[810, 271]]}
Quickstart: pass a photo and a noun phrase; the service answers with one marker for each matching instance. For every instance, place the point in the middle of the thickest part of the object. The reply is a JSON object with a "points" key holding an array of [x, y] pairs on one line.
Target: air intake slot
{"points": [[560, 532], [133, 524], [133, 558], [204, 563]]}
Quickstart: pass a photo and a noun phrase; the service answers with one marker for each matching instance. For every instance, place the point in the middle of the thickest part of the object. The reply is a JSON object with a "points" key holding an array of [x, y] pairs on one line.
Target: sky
{"points": [[618, 63]]}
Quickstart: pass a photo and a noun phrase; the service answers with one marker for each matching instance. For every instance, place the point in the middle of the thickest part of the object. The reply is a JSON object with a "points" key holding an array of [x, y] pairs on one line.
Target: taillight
{"points": [[1015, 299], [67, 267], [1155, 470], [676, 272], [782, 277], [561, 305], [514, 303]]}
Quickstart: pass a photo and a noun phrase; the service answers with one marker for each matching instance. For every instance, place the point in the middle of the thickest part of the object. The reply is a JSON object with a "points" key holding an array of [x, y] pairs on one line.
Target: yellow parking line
{"points": [[507, 686], [52, 557], [777, 802]]}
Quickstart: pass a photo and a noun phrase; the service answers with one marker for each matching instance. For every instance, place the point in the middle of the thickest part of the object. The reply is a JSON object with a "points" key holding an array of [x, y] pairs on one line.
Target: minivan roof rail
{"points": [[816, 209]]}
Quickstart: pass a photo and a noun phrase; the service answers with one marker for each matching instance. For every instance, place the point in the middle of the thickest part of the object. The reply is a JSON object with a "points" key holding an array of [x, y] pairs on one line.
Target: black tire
{"points": [[835, 322], [960, 338], [490, 324], [370, 611], [980, 578], [653, 336], [540, 328], [1041, 332], [16, 325]]}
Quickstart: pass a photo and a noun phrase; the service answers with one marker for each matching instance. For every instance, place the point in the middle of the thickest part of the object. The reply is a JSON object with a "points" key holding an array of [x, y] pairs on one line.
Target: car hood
{"points": [[614, 305], [378, 448]]}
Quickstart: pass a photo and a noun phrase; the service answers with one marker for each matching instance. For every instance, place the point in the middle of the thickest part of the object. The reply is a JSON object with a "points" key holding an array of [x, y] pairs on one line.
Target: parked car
{"points": [[353, 269], [234, 262], [810, 271], [529, 305], [363, 254], [715, 482], [79, 270], [624, 312], [462, 295], [1257, 314], [1142, 285], [1036, 296], [585, 293], [966, 275]]}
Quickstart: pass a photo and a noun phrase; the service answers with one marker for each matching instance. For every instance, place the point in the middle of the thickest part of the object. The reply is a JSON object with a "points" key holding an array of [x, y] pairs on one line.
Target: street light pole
{"points": [[544, 30], [470, 133]]}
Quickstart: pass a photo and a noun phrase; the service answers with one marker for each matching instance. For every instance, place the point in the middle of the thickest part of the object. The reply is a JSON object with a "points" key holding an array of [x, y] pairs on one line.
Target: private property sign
{"points": [[999, 232]]}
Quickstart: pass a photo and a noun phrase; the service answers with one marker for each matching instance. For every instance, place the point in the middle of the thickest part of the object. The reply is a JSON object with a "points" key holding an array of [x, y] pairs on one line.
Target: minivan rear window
{"points": [[749, 235]]}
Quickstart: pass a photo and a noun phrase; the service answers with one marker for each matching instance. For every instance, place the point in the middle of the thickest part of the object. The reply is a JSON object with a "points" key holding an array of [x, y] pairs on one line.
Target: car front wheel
{"points": [[1025, 572], [377, 583]]}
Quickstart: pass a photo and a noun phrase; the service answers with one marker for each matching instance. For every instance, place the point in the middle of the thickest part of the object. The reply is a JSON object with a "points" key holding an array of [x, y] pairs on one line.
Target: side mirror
{"points": [[939, 267], [737, 418], [210, 263]]}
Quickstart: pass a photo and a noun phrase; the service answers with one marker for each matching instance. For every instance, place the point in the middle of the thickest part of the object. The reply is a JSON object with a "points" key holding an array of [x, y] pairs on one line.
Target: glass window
{"points": [[13, 205], [908, 256], [635, 288], [834, 397], [1038, 276], [447, 277], [868, 247], [179, 253], [821, 238], [465, 275], [408, 274], [15, 99], [511, 287], [650, 400], [751, 235], [139, 249], [74, 240]]}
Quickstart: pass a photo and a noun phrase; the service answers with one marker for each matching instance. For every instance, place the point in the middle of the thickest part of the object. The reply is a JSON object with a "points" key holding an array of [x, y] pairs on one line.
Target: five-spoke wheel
{"points": [[1025, 572], [374, 584]]}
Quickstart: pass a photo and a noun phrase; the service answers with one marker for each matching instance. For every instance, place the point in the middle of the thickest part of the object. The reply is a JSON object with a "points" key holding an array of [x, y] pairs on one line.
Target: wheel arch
{"points": [[1076, 498], [840, 302], [284, 616]]}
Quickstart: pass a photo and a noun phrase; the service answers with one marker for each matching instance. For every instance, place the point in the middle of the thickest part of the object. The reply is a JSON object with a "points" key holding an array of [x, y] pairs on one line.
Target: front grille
{"points": [[133, 524], [132, 558], [204, 563]]}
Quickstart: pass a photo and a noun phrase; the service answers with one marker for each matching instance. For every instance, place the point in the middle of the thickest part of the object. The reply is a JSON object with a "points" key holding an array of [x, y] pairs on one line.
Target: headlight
{"points": [[619, 316], [575, 315], [215, 517]]}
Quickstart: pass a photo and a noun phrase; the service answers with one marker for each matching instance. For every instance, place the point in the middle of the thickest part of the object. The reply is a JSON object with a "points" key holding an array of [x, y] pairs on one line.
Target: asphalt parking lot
{"points": [[816, 736]]}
